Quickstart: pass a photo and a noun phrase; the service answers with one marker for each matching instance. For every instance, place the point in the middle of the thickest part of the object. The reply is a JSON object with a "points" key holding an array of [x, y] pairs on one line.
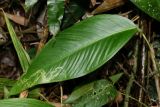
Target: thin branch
{"points": [[135, 100], [61, 89], [131, 80], [155, 69]]}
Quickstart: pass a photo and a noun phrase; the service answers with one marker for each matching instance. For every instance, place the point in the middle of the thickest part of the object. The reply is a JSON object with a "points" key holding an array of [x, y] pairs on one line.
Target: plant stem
{"points": [[155, 69], [128, 89], [135, 100], [156, 77]]}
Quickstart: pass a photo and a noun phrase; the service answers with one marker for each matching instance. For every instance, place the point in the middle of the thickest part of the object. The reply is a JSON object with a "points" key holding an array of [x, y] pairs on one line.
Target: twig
{"points": [[128, 89], [142, 69], [43, 40], [131, 80], [135, 100], [140, 86], [156, 77], [44, 98], [61, 89]]}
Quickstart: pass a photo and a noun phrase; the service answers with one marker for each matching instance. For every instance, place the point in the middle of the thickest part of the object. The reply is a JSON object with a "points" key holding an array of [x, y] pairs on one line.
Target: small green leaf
{"points": [[6, 84], [29, 4], [78, 50], [116, 77], [79, 92], [73, 13], [55, 15], [22, 54], [6, 93], [151, 7], [34, 93], [23, 102], [98, 94]]}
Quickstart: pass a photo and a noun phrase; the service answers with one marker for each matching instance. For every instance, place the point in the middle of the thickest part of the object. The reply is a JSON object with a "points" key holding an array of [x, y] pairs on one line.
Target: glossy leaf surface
{"points": [[78, 50], [55, 15], [151, 7], [23, 102], [98, 94]]}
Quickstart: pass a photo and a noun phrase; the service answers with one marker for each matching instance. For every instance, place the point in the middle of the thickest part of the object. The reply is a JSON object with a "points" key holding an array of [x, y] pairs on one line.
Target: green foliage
{"points": [[73, 13], [29, 4], [79, 92], [95, 94], [115, 78], [23, 102], [6, 84], [151, 7], [55, 15], [22, 54], [73, 53], [78, 51], [55, 10]]}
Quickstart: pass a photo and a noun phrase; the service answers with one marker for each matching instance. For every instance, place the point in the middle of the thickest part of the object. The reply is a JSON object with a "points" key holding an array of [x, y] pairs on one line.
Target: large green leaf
{"points": [[151, 7], [78, 50], [55, 15], [23, 102], [22, 54], [95, 94]]}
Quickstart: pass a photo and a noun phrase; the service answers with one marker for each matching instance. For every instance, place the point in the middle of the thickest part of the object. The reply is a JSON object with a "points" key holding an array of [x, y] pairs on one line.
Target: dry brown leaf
{"points": [[93, 3], [18, 19], [61, 105], [58, 104], [2, 21], [119, 97], [23, 94], [108, 5]]}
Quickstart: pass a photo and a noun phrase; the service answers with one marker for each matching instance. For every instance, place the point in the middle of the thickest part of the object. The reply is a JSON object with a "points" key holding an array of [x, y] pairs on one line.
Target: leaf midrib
{"points": [[70, 54]]}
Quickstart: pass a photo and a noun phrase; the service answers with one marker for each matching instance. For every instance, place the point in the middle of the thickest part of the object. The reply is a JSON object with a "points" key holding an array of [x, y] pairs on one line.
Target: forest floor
{"points": [[30, 25]]}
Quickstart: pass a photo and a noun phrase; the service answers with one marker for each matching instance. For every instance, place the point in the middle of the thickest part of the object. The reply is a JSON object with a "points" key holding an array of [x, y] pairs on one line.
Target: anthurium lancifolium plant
{"points": [[72, 53]]}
